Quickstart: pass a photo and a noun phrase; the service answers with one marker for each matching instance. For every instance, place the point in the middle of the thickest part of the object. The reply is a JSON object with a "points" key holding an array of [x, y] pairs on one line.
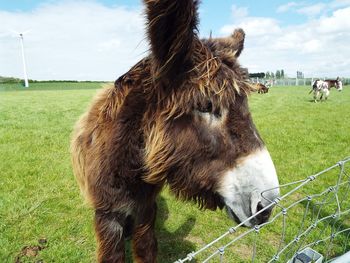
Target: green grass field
{"points": [[39, 198]]}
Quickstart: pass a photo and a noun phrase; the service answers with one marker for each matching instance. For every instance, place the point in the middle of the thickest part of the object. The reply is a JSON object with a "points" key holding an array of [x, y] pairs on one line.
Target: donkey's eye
{"points": [[217, 113], [206, 107]]}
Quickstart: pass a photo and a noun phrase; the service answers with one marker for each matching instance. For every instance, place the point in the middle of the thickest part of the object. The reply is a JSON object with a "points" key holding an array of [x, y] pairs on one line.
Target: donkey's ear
{"points": [[231, 46], [172, 31], [237, 41]]}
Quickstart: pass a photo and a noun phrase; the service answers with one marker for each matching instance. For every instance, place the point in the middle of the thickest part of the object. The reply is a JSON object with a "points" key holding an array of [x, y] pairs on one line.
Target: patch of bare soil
{"points": [[31, 253]]}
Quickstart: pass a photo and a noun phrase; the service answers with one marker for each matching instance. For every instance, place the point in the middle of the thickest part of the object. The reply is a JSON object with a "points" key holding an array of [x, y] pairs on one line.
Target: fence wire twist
{"points": [[322, 218]]}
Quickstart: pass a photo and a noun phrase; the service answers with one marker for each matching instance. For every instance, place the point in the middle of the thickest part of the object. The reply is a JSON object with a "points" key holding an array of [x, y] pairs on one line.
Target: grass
{"points": [[39, 198]]}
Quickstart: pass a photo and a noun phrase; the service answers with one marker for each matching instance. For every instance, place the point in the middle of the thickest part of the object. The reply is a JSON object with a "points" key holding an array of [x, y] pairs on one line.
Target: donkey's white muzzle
{"points": [[242, 187]]}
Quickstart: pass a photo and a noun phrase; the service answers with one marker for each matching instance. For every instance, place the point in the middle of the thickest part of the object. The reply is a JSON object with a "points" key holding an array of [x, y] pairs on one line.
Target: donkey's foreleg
{"points": [[109, 228], [144, 240], [326, 94]]}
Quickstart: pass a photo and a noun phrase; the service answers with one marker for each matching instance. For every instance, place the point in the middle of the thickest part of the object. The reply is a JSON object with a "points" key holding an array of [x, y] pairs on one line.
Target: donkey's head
{"points": [[339, 84], [199, 137]]}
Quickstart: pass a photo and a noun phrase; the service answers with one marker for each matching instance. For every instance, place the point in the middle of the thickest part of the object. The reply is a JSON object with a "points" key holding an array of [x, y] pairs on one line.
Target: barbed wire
{"points": [[324, 219]]}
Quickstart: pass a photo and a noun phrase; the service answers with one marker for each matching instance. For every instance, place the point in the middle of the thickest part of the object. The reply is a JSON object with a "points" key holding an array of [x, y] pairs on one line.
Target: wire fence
{"points": [[293, 81], [306, 216]]}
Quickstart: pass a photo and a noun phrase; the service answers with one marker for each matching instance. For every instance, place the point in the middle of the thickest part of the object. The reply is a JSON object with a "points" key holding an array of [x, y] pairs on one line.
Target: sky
{"points": [[102, 39]]}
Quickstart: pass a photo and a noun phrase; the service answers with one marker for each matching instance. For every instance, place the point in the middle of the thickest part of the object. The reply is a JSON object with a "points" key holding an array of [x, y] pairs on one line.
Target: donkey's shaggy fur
{"points": [[178, 117]]}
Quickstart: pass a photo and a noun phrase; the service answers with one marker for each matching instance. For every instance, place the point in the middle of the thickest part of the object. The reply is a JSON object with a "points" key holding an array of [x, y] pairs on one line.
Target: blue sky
{"points": [[101, 39], [213, 15]]}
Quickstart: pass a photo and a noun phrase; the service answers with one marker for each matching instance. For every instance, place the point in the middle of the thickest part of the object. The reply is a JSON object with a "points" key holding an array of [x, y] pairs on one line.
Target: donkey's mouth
{"points": [[232, 215], [258, 219]]}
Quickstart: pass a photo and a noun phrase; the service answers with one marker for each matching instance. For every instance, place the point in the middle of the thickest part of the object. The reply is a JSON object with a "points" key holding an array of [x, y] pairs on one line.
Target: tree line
{"points": [[279, 74], [11, 80]]}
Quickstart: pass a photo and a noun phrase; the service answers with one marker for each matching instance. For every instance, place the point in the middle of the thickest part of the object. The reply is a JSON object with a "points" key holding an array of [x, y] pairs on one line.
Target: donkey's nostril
{"points": [[263, 217], [259, 207]]}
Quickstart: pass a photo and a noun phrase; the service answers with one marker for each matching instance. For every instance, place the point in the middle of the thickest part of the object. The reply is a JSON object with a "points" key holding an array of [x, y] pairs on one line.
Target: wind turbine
{"points": [[26, 83]]}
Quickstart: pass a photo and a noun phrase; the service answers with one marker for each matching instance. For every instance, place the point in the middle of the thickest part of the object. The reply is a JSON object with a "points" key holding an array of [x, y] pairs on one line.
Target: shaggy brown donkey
{"points": [[261, 88], [178, 117]]}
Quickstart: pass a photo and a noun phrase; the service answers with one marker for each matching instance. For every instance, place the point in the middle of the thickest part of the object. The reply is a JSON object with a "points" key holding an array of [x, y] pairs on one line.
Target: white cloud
{"points": [[339, 22], [318, 47], [254, 26], [239, 12], [80, 40], [340, 3], [109, 45], [286, 7], [312, 10], [88, 41]]}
